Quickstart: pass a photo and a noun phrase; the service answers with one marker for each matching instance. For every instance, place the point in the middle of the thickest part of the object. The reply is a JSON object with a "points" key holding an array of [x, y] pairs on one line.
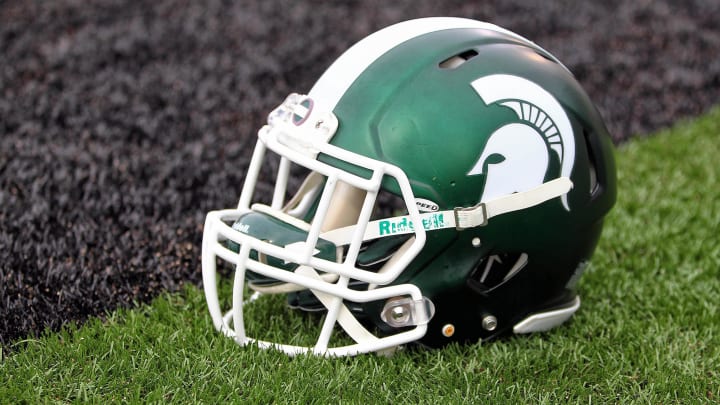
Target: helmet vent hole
{"points": [[546, 56], [594, 186], [457, 60]]}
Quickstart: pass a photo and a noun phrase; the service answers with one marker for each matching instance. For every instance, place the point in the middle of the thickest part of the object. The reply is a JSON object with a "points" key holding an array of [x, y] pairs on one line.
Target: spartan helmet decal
{"points": [[544, 126]]}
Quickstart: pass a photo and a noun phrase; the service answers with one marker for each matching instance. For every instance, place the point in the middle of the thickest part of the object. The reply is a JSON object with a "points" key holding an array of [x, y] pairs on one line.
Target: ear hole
{"points": [[494, 270], [457, 60]]}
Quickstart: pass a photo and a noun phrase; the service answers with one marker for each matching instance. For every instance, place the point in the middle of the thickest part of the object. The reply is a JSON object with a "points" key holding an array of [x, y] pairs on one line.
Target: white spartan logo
{"points": [[524, 145]]}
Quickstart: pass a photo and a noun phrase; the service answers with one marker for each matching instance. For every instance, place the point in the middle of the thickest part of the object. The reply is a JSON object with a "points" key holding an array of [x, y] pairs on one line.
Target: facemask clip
{"points": [[402, 312]]}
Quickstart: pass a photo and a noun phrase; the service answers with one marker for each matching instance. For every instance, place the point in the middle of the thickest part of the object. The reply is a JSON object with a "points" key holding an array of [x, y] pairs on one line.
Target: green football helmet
{"points": [[457, 181]]}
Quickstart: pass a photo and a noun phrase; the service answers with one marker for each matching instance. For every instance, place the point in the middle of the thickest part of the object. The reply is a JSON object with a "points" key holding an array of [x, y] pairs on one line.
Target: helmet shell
{"points": [[416, 107]]}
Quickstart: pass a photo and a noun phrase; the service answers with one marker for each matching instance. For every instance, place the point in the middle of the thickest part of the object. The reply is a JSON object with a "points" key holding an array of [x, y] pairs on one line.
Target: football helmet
{"points": [[457, 181]]}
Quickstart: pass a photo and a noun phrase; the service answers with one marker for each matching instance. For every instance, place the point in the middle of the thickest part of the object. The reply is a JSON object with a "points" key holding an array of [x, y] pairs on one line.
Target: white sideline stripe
{"points": [[331, 86]]}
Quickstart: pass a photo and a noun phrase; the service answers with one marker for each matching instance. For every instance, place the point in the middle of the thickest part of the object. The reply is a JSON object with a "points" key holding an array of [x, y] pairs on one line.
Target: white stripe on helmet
{"points": [[331, 86]]}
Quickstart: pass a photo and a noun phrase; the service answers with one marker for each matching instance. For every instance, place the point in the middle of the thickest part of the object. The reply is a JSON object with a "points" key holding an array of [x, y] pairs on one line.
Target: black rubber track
{"points": [[123, 122]]}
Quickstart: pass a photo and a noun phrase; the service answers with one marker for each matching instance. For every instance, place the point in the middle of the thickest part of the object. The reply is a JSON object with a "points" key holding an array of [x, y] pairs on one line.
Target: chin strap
{"points": [[459, 218], [479, 214]]}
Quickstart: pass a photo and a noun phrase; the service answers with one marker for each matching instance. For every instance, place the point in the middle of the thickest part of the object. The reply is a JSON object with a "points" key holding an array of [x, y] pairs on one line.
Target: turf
{"points": [[647, 332]]}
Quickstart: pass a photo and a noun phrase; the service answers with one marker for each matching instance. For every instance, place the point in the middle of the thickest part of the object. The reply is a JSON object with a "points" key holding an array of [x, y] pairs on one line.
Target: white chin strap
{"points": [[459, 218], [478, 215]]}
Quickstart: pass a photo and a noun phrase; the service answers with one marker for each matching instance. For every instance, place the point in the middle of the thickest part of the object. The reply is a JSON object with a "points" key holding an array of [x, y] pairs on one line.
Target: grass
{"points": [[648, 331]]}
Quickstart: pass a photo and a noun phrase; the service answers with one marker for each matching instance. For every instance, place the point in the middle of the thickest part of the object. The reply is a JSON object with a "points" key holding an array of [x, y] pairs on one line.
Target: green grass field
{"points": [[648, 330]]}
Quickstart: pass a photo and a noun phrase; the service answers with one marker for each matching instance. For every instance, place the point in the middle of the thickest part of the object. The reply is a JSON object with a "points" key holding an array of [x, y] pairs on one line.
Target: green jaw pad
{"points": [[272, 230]]}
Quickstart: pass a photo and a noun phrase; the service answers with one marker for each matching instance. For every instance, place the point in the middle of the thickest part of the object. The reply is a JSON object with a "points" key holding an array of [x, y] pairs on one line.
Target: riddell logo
{"points": [[405, 225]]}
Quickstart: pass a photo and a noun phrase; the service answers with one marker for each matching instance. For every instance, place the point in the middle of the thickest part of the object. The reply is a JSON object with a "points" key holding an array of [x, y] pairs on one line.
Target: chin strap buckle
{"points": [[470, 217]]}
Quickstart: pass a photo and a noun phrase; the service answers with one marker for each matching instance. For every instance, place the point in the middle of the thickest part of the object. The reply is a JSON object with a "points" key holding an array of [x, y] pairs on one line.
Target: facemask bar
{"points": [[330, 294], [271, 137]]}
